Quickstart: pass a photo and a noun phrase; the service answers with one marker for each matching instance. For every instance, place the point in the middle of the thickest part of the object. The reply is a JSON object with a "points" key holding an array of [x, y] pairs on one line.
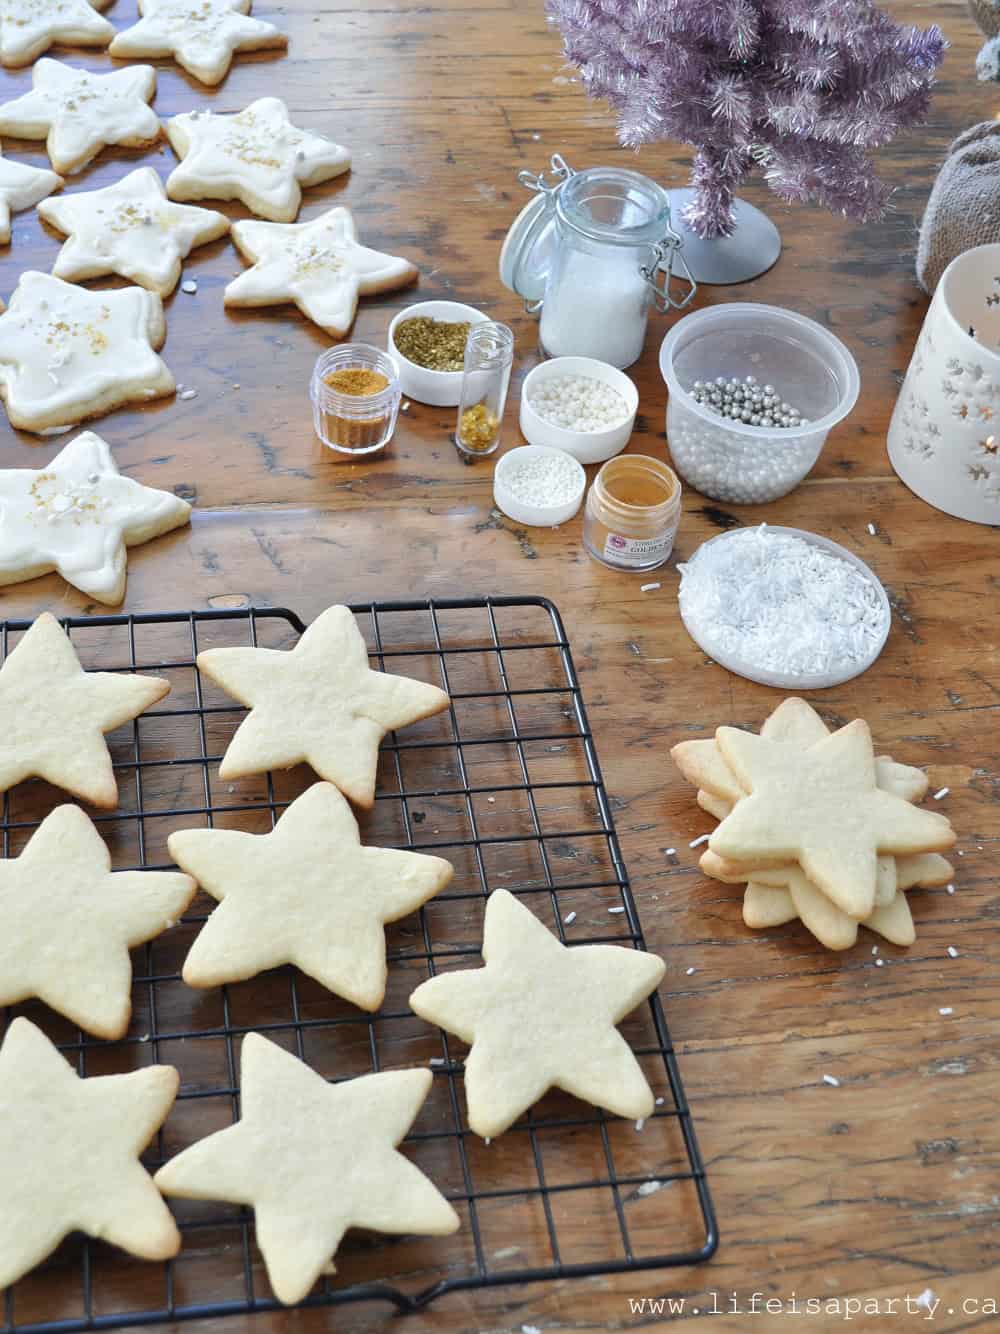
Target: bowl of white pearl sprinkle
{"points": [[579, 405]]}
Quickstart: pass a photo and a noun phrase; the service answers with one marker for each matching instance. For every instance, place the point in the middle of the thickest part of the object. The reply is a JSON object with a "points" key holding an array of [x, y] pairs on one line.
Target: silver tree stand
{"points": [[752, 249]]}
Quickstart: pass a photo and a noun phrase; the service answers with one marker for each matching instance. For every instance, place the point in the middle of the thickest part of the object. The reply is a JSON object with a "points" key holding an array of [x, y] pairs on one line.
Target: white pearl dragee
{"points": [[542, 481], [578, 403]]}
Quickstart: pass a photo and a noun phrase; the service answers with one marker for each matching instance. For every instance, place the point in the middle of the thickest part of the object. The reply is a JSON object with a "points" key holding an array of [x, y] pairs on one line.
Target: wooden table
{"points": [[883, 1186]]}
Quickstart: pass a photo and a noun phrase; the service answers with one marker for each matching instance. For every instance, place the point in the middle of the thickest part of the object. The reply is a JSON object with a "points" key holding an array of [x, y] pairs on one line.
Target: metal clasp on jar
{"points": [[669, 252]]}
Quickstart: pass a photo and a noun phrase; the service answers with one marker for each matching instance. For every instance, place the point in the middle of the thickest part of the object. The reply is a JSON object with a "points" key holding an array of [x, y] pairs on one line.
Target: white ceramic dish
{"points": [[534, 516], [586, 446], [744, 667], [441, 389]]}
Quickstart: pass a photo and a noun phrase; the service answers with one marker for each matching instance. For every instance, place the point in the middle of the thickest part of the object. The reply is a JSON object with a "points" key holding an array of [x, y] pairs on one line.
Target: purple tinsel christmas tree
{"points": [[801, 89]]}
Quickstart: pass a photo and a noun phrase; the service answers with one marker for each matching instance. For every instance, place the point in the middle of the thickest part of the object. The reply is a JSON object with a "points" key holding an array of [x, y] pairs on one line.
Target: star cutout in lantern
{"points": [[313, 1159], [541, 1015], [78, 113], [319, 265], [69, 1155]]}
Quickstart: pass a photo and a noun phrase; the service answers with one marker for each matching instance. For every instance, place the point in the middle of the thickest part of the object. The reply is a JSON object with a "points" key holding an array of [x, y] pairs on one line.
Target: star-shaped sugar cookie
{"points": [[54, 714], [319, 265], [130, 228], [21, 187], [307, 893], [313, 1159], [69, 1155], [319, 703], [67, 922], [29, 27], [201, 35], [821, 807], [67, 353], [76, 516], [542, 1015], [77, 113], [257, 156]]}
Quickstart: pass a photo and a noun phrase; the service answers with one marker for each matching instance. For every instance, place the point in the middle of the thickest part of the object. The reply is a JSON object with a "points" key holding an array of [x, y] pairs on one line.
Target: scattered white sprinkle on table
{"points": [[879, 963], [926, 1299], [188, 393], [659, 1102], [690, 971], [616, 910], [492, 800], [570, 918], [697, 842], [941, 792], [874, 949], [437, 1060], [649, 1187], [832, 1080], [872, 529], [951, 889], [648, 588], [640, 1123], [189, 286], [952, 952], [946, 1009], [530, 1329], [670, 852], [487, 1140]]}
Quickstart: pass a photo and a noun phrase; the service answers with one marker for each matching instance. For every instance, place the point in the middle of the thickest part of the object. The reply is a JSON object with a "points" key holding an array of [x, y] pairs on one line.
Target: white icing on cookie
{"points": [[67, 353], [257, 156], [29, 27], [201, 35], [22, 186], [77, 112], [76, 516], [130, 228], [319, 265]]}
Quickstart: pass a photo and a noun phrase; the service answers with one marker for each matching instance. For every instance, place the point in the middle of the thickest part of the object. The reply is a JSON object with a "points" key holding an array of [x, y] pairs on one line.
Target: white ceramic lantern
{"points": [[944, 438]]}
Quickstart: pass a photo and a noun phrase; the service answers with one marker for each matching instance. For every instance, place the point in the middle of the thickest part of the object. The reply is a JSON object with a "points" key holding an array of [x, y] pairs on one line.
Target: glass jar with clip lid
{"points": [[591, 253]]}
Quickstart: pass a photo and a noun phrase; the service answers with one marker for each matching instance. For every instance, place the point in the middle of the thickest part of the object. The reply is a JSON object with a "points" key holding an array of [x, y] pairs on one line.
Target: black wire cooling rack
{"points": [[508, 787]]}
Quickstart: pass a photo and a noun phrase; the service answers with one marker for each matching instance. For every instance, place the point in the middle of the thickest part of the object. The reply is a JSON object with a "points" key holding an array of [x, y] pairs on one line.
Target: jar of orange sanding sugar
{"points": [[355, 395]]}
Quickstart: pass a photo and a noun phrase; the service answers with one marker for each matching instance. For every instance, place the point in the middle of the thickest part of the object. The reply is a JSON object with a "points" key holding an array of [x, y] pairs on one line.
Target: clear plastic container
{"points": [[808, 367], [355, 423], [489, 354]]}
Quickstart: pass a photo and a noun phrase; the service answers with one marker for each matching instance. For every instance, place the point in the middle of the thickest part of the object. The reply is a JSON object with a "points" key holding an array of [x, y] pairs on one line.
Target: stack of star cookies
{"points": [[816, 825]]}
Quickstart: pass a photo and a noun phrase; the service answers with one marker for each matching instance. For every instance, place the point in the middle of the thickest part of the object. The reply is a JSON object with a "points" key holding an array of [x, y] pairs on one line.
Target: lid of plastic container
{"points": [[828, 618], [526, 254]]}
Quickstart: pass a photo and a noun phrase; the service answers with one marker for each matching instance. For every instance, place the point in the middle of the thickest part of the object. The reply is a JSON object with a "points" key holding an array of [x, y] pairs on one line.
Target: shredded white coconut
{"points": [[570, 918], [689, 971], [946, 1009], [941, 792], [640, 1123], [780, 604], [670, 852], [616, 910], [952, 952], [649, 1187], [832, 1080], [648, 588], [697, 842]]}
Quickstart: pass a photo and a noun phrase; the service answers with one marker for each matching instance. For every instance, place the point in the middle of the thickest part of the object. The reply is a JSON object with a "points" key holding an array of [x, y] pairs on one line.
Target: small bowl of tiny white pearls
{"points": [[538, 486], [579, 405]]}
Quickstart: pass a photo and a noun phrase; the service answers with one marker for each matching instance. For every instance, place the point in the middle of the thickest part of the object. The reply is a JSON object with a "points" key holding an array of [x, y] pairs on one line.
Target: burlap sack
{"points": [[964, 208]]}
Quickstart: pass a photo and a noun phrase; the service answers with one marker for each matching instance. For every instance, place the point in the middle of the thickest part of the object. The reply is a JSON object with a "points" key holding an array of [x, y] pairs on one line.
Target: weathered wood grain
{"points": [[885, 1185]]}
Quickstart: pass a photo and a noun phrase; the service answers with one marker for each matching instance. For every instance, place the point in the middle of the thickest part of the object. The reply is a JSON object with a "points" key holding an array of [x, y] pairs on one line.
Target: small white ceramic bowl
{"points": [[521, 511], [586, 446], [441, 389]]}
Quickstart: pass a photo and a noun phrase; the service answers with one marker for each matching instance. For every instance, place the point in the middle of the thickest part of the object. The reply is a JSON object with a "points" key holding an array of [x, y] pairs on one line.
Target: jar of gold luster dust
{"points": [[633, 510]]}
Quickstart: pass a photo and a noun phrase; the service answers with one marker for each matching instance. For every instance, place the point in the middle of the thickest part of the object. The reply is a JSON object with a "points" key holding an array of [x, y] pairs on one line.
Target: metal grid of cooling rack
{"points": [[578, 1192]]}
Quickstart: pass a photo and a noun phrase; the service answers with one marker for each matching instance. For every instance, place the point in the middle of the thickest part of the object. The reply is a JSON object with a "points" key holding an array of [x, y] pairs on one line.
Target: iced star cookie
{"points": [[76, 516], [67, 922], [77, 113], [313, 1159], [54, 714], [29, 27], [257, 156], [67, 353], [319, 265], [307, 893], [21, 187], [130, 228], [201, 35], [319, 703], [69, 1155], [542, 1015]]}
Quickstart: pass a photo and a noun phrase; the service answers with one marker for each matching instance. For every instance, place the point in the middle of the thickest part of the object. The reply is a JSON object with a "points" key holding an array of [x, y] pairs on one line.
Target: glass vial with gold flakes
{"points": [[489, 354]]}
